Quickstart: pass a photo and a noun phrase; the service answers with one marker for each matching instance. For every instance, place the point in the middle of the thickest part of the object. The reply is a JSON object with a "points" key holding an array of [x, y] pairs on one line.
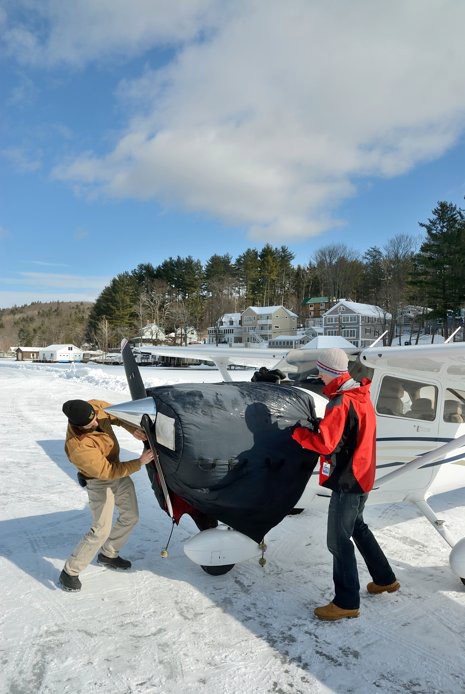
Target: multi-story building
{"points": [[264, 323], [317, 305], [228, 330], [358, 323], [257, 324]]}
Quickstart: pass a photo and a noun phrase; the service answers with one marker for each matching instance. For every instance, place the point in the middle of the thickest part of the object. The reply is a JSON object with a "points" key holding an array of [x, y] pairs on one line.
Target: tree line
{"points": [[39, 324], [182, 292]]}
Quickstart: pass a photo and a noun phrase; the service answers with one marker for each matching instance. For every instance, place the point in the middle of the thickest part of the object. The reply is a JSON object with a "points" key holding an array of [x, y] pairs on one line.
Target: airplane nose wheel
{"points": [[218, 570]]}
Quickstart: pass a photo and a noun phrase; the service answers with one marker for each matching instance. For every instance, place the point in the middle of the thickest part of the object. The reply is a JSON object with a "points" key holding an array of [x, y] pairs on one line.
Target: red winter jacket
{"points": [[347, 437]]}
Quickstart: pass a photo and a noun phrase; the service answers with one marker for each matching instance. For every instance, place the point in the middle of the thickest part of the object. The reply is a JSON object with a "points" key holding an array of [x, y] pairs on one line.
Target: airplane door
{"points": [[407, 426], [452, 418]]}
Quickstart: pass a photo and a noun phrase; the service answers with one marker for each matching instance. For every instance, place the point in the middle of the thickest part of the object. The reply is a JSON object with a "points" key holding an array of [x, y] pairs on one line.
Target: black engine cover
{"points": [[234, 457]]}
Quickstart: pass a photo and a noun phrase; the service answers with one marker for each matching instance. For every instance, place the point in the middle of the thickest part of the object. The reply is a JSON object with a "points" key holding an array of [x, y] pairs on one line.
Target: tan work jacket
{"points": [[96, 453]]}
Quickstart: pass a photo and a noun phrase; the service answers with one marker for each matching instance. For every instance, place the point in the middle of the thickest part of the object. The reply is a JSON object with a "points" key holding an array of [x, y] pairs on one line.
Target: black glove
{"points": [[264, 375], [81, 479], [311, 424]]}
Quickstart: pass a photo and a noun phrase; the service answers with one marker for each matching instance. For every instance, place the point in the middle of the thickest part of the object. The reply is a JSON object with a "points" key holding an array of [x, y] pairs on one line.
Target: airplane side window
{"points": [[400, 397], [454, 406]]}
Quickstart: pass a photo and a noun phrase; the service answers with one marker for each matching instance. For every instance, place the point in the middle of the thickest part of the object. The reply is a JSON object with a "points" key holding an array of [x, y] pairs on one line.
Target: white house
{"points": [[60, 353], [228, 330], [151, 332]]}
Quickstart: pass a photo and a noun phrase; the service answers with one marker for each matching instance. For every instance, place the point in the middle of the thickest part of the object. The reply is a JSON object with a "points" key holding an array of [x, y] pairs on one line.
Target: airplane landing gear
{"points": [[218, 570], [457, 554]]}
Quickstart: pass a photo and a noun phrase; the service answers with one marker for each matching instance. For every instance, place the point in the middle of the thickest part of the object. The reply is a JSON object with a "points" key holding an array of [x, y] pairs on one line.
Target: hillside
{"points": [[41, 324]]}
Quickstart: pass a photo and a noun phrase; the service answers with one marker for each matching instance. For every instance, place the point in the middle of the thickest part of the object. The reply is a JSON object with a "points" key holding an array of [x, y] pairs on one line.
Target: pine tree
{"points": [[439, 267], [247, 268], [269, 274], [373, 273]]}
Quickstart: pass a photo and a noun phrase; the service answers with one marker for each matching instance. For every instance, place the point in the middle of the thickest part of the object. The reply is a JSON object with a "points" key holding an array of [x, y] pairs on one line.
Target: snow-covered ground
{"points": [[166, 626]]}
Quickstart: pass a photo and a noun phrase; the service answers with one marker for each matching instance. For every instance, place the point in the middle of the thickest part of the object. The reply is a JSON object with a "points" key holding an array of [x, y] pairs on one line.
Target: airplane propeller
{"points": [[138, 392]]}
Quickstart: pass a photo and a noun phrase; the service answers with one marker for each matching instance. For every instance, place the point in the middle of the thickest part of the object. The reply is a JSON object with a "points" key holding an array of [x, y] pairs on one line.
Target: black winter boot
{"points": [[70, 583], [113, 563]]}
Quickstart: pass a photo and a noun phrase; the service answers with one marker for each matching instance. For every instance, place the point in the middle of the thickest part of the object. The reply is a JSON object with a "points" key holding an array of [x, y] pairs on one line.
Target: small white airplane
{"points": [[419, 397]]}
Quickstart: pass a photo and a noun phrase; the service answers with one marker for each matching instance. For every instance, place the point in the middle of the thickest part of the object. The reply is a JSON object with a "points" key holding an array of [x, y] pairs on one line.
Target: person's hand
{"points": [[146, 457], [139, 435]]}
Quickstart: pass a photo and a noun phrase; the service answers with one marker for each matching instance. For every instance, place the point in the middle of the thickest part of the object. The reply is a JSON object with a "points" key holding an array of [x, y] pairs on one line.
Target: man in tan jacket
{"points": [[92, 447]]}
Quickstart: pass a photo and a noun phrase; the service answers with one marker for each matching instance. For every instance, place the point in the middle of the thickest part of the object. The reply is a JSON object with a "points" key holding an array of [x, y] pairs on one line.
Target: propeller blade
{"points": [[135, 382], [139, 395]]}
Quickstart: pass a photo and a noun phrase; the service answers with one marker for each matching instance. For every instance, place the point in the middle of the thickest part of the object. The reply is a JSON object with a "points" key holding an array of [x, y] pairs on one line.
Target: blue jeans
{"points": [[345, 520]]}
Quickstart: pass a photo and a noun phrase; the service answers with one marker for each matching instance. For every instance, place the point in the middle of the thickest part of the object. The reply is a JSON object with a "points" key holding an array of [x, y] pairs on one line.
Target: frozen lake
{"points": [[166, 626]]}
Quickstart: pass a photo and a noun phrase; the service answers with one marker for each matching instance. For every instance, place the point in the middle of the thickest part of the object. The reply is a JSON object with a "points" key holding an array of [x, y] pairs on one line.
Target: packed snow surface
{"points": [[166, 626]]}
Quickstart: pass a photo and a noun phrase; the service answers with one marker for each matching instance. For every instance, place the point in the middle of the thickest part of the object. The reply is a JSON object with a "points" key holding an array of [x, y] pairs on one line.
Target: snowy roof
{"points": [[327, 341], [57, 347], [363, 309], [270, 309], [289, 337], [29, 349], [231, 316], [152, 330]]}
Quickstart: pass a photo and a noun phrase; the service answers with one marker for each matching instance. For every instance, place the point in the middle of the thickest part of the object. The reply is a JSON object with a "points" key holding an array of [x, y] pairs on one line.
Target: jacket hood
{"points": [[346, 384]]}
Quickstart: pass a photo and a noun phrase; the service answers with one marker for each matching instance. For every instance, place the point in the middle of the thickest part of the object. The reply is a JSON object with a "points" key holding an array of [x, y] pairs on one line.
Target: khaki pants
{"points": [[103, 495]]}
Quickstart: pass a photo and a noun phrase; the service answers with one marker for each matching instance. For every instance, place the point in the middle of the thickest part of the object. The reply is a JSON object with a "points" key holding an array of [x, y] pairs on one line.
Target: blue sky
{"points": [[135, 132]]}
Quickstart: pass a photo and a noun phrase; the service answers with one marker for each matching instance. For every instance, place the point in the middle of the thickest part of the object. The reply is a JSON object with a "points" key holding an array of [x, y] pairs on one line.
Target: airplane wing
{"points": [[431, 358], [223, 357]]}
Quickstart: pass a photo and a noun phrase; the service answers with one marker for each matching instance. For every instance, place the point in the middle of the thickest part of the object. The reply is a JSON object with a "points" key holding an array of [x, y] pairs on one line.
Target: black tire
{"points": [[217, 570]]}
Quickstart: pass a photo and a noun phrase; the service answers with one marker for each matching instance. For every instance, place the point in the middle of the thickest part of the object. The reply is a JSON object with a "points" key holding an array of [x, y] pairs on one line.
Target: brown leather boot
{"points": [[375, 589], [332, 612]]}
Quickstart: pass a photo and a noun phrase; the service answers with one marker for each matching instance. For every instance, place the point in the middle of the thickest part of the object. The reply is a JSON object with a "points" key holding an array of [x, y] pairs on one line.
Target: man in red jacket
{"points": [[347, 442]]}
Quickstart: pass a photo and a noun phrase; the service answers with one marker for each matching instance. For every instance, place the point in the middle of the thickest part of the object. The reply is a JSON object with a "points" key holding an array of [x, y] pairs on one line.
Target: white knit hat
{"points": [[333, 361]]}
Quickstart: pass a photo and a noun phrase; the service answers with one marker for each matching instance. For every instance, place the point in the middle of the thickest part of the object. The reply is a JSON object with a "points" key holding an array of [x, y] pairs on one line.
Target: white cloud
{"points": [[19, 298], [23, 93], [57, 32], [20, 159], [44, 263], [45, 279], [271, 119]]}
